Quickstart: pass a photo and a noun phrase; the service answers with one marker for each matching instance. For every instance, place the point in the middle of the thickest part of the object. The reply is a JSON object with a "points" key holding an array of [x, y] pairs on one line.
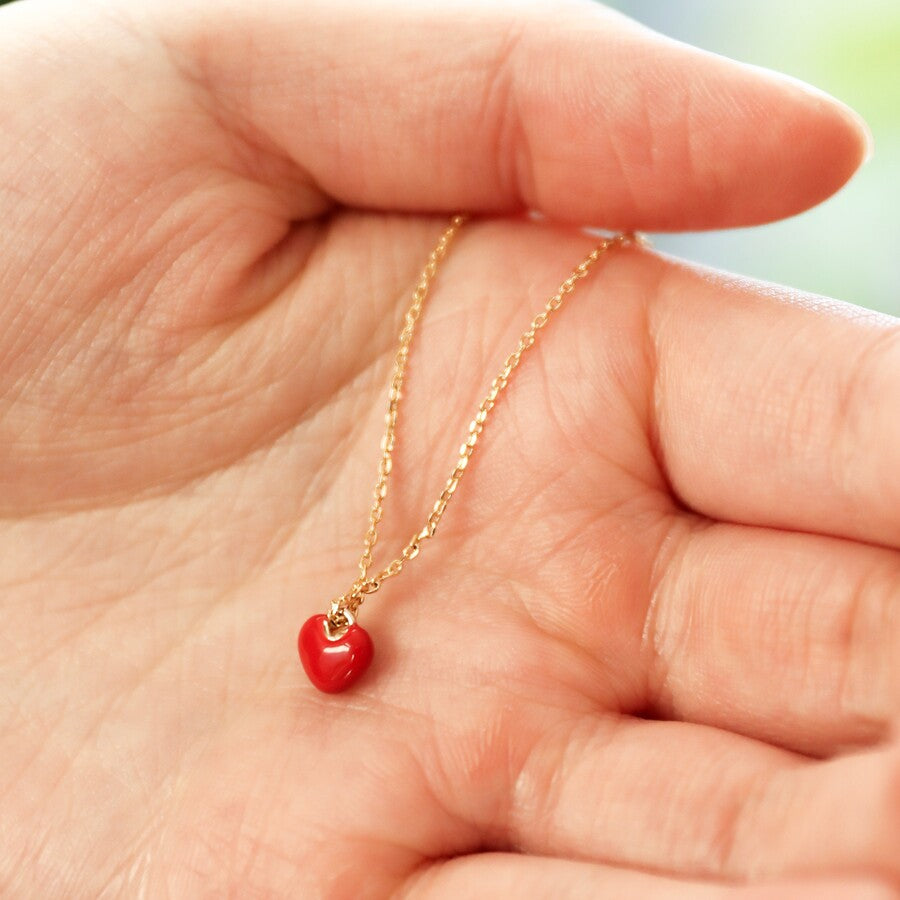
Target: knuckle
{"points": [[861, 418], [869, 643]]}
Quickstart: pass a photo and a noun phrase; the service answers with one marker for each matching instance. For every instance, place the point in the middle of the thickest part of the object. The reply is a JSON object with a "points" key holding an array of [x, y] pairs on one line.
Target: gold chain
{"points": [[350, 601]]}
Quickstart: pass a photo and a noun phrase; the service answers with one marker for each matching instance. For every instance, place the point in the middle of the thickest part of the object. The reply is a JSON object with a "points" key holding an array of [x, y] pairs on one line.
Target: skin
{"points": [[652, 648]]}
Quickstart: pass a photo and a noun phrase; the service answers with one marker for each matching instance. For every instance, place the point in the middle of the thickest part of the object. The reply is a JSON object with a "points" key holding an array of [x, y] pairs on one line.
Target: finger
{"points": [[698, 802], [771, 407], [788, 637], [567, 108], [491, 875]]}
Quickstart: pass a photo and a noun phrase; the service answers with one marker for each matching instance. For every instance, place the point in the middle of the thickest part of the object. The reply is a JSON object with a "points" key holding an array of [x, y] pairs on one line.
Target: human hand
{"points": [[661, 609]]}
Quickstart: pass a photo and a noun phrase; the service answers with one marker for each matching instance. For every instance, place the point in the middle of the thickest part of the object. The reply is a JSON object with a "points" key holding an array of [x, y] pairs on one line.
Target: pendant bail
{"points": [[338, 621], [349, 603]]}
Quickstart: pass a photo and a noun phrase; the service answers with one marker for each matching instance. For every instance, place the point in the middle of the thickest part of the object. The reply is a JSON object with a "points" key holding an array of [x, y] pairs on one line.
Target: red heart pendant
{"points": [[333, 663]]}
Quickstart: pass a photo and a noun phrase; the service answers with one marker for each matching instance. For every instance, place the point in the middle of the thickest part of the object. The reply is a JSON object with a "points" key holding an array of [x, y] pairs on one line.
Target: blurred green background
{"points": [[848, 247]]}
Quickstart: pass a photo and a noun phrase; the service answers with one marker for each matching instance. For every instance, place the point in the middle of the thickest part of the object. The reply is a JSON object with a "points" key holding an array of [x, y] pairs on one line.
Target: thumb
{"points": [[563, 107]]}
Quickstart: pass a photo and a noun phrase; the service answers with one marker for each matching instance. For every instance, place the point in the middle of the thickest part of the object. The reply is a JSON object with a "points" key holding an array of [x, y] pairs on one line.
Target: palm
{"points": [[194, 416]]}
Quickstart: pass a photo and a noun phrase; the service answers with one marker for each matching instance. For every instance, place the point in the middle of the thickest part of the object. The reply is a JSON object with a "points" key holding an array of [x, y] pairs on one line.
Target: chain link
{"points": [[364, 585]]}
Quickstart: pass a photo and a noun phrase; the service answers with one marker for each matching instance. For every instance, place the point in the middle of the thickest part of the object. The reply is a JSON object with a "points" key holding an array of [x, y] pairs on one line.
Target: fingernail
{"points": [[849, 113]]}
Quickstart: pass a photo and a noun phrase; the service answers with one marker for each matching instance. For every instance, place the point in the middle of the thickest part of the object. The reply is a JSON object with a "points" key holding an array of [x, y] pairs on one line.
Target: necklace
{"points": [[334, 650]]}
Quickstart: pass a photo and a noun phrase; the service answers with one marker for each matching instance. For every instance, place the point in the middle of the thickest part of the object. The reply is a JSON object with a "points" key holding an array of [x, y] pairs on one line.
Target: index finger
{"points": [[774, 407]]}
